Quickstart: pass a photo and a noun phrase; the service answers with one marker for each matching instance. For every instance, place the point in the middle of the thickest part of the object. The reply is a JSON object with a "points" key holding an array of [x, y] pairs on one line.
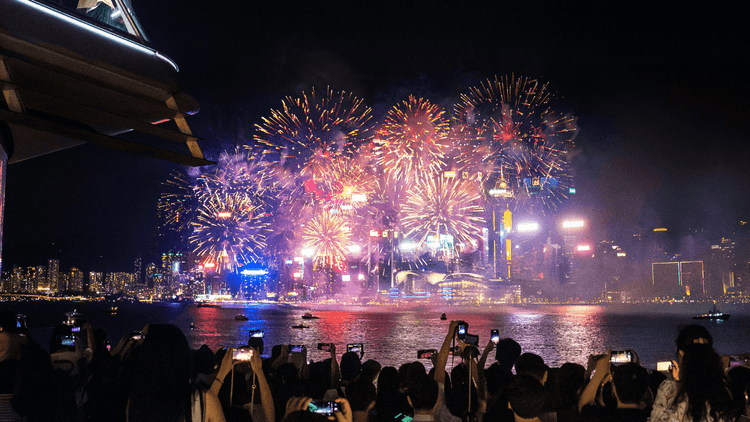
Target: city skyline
{"points": [[658, 108]]}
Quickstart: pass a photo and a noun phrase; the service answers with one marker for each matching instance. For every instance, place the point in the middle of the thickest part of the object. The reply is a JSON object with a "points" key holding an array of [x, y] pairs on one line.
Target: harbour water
{"points": [[392, 335]]}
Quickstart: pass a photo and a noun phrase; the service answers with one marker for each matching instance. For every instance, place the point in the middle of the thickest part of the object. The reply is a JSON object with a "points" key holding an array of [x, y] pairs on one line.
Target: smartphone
{"points": [[76, 329], [621, 357], [326, 347], [462, 330], [296, 348], [495, 336], [402, 418], [426, 353], [68, 341], [136, 335], [323, 407], [472, 339], [355, 347], [663, 366], [242, 354], [257, 333]]}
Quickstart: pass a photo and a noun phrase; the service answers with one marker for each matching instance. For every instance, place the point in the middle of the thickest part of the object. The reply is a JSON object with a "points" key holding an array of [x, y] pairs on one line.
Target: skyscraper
{"points": [[53, 275]]}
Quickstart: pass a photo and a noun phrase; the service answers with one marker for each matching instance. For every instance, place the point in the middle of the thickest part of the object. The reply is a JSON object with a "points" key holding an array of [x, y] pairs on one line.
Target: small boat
{"points": [[300, 326], [308, 315], [443, 317], [714, 313], [241, 317]]}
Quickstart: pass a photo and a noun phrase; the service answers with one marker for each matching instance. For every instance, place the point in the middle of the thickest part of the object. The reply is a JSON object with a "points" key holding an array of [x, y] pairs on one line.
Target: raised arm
{"points": [[485, 353], [602, 365], [266, 399], [224, 369], [442, 358]]}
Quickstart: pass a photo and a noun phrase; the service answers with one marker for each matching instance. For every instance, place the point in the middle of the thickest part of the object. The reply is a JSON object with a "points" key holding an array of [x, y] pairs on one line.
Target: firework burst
{"points": [[508, 124], [229, 230], [443, 206], [313, 130], [328, 235], [412, 141]]}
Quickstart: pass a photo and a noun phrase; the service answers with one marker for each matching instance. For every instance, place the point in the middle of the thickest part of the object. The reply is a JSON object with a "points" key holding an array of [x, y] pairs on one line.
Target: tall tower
{"points": [[53, 275]]}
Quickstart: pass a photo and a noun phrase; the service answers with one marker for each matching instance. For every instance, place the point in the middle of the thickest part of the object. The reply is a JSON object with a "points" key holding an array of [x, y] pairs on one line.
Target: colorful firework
{"points": [[509, 125], [443, 206], [177, 207], [328, 235], [311, 131], [229, 230], [412, 141]]}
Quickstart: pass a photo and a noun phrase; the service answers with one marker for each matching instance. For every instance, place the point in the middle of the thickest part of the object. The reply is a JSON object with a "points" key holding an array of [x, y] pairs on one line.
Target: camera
{"points": [[242, 354], [355, 347], [296, 348], [326, 347], [323, 407], [461, 330], [69, 341], [76, 329], [472, 339], [621, 356], [257, 333], [495, 336], [426, 353]]}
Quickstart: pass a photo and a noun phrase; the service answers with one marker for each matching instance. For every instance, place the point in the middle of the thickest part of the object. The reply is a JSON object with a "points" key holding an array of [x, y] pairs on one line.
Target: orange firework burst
{"points": [[313, 130], [412, 141], [328, 235], [443, 206]]}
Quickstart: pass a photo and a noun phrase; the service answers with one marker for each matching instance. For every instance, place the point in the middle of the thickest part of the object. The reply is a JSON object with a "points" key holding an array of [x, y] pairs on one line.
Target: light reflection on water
{"points": [[393, 335]]}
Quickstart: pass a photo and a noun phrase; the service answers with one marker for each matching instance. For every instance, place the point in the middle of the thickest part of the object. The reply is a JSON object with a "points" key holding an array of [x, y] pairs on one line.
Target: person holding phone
{"points": [[297, 409], [698, 390]]}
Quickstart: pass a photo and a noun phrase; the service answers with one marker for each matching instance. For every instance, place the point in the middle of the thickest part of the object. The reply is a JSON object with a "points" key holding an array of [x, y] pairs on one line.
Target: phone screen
{"points": [[355, 347], [426, 354], [402, 418], [326, 347], [324, 407], [297, 348], [621, 357], [242, 354], [663, 366], [495, 336], [257, 334], [462, 332], [68, 341]]}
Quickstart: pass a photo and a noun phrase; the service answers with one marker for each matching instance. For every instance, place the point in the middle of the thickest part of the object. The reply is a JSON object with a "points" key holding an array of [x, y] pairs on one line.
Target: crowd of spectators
{"points": [[153, 375]]}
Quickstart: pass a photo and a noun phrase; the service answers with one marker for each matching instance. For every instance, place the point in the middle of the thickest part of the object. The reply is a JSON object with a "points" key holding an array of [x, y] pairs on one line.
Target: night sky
{"points": [[660, 93]]}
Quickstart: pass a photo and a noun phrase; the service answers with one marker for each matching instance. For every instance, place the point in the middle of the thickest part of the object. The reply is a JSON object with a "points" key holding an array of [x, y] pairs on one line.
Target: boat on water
{"points": [[308, 315], [714, 313], [241, 317], [300, 326]]}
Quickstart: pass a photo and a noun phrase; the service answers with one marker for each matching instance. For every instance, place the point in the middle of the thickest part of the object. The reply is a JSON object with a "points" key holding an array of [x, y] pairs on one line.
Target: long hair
{"points": [[161, 383], [702, 380]]}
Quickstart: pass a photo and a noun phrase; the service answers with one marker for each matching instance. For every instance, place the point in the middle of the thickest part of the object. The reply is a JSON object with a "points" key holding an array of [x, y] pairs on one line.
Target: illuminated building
{"points": [[96, 282], [75, 280], [678, 279], [53, 275], [40, 282]]}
